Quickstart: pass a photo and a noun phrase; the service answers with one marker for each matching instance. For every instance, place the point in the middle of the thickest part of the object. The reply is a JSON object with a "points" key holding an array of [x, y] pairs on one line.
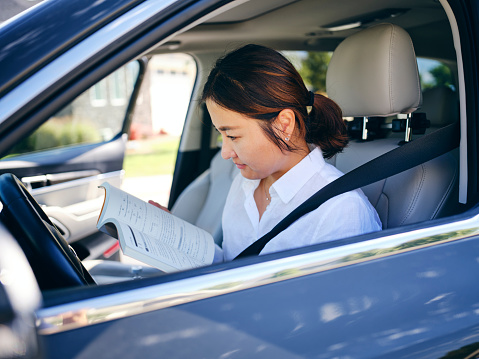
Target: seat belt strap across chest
{"points": [[389, 164]]}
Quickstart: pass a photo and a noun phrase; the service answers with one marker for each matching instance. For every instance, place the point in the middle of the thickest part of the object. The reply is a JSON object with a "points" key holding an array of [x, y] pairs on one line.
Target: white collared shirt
{"points": [[343, 216]]}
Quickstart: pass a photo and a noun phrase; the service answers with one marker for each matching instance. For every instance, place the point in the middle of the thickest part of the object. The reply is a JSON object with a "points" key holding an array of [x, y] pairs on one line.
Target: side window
{"points": [[95, 116], [435, 74], [157, 125], [440, 98], [312, 66]]}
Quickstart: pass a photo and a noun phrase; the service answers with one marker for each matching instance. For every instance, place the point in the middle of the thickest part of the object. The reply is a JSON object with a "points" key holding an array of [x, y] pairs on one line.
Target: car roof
{"points": [[282, 24], [316, 25], [42, 33]]}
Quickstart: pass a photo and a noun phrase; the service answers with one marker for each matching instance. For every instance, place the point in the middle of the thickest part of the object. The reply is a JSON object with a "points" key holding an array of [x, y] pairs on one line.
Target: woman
{"points": [[278, 134]]}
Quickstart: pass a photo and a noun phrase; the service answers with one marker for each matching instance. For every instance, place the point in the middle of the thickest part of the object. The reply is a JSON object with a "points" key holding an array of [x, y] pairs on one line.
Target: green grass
{"points": [[156, 159]]}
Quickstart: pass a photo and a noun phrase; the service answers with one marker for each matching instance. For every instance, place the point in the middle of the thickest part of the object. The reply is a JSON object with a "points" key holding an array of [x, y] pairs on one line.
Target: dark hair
{"points": [[259, 83]]}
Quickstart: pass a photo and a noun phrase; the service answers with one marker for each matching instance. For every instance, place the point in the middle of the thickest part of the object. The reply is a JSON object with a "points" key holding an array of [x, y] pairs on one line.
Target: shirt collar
{"points": [[292, 181], [249, 185]]}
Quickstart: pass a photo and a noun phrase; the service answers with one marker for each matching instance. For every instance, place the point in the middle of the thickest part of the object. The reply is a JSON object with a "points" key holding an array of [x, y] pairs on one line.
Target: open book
{"points": [[152, 235]]}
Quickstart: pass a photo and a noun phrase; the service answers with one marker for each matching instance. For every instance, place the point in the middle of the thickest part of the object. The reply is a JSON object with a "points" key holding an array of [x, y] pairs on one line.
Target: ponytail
{"points": [[325, 127]]}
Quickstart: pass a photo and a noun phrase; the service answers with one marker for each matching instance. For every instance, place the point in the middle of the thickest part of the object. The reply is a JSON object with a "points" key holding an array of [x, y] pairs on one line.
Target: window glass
{"points": [[312, 66], [157, 125], [95, 116], [117, 84], [98, 94], [434, 74]]}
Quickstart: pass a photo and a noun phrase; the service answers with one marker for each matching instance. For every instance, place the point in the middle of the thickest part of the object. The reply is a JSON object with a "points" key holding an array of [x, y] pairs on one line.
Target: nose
{"points": [[227, 151]]}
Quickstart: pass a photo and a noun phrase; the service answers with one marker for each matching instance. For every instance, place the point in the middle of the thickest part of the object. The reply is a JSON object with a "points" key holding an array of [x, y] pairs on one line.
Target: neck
{"points": [[291, 159]]}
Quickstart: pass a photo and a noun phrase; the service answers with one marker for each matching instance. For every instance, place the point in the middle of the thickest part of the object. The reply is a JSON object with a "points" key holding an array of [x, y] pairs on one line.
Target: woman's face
{"points": [[246, 144]]}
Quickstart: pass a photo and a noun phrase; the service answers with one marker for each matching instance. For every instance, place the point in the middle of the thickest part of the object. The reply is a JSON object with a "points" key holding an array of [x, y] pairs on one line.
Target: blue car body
{"points": [[404, 292]]}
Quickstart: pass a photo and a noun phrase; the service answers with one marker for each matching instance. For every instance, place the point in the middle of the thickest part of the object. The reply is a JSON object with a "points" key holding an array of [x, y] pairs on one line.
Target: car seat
{"points": [[202, 202], [441, 106], [374, 73]]}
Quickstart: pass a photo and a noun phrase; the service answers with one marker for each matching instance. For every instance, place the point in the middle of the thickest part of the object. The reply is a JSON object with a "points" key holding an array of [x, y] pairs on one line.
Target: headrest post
{"points": [[364, 135], [407, 136]]}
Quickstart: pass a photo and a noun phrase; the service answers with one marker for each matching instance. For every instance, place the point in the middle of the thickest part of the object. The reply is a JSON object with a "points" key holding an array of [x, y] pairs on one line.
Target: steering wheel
{"points": [[54, 263]]}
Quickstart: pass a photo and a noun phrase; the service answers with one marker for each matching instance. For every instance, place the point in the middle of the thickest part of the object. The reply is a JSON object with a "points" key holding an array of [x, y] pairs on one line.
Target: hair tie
{"points": [[310, 104], [311, 99]]}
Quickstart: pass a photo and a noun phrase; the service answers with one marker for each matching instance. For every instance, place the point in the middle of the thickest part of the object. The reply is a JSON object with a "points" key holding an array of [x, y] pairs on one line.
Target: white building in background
{"points": [[172, 78]]}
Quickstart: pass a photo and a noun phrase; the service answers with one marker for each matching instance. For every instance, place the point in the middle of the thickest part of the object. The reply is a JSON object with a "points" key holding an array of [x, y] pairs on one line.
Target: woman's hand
{"points": [[156, 204]]}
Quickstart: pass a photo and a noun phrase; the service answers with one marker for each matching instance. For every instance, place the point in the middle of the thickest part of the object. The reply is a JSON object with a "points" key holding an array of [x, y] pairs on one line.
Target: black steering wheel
{"points": [[54, 263]]}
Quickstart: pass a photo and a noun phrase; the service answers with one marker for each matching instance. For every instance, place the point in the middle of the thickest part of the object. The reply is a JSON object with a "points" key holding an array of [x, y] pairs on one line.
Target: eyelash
{"points": [[232, 138]]}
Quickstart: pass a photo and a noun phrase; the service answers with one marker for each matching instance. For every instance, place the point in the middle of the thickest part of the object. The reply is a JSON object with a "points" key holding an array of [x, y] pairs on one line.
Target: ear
{"points": [[286, 122]]}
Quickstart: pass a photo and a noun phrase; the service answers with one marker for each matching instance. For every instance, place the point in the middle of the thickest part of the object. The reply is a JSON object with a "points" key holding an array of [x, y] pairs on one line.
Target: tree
{"points": [[313, 70], [441, 76]]}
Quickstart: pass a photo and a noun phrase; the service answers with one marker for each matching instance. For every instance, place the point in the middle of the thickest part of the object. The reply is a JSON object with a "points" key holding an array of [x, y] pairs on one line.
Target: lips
{"points": [[240, 165]]}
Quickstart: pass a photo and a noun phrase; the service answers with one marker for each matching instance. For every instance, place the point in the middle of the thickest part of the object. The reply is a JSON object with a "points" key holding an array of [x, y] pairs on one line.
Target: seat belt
{"points": [[389, 164]]}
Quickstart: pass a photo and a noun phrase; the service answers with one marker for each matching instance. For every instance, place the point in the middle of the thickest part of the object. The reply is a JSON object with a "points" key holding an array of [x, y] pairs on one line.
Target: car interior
{"points": [[421, 193], [373, 75]]}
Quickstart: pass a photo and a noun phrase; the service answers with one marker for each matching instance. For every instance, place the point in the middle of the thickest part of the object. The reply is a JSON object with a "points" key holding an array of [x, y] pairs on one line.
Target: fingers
{"points": [[156, 204]]}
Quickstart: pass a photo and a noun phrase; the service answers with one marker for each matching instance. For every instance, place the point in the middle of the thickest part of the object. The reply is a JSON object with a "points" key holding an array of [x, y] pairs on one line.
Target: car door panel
{"points": [[65, 182], [76, 215], [339, 312], [64, 162]]}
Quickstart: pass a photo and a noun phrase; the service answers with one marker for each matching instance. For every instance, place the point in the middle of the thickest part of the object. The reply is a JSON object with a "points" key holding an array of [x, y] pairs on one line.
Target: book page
{"points": [[139, 243], [158, 225]]}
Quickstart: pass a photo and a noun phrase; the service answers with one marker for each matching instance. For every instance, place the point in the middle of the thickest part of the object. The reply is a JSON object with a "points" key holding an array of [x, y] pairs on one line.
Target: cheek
{"points": [[262, 155]]}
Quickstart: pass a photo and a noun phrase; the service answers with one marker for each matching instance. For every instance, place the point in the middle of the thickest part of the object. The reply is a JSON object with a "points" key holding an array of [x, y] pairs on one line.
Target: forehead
{"points": [[224, 119]]}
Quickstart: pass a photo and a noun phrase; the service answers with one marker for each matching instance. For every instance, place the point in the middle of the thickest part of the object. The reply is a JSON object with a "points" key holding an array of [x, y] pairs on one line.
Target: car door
{"points": [[407, 292], [64, 160]]}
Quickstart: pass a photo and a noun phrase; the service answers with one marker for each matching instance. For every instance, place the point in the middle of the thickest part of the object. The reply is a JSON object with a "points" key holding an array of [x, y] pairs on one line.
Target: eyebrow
{"points": [[227, 128]]}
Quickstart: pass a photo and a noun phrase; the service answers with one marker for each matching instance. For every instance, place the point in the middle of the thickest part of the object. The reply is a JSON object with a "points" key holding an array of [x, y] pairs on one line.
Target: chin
{"points": [[250, 175]]}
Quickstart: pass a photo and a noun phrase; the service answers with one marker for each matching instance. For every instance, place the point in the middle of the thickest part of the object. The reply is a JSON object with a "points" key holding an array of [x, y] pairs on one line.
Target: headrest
{"points": [[374, 73], [440, 105]]}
